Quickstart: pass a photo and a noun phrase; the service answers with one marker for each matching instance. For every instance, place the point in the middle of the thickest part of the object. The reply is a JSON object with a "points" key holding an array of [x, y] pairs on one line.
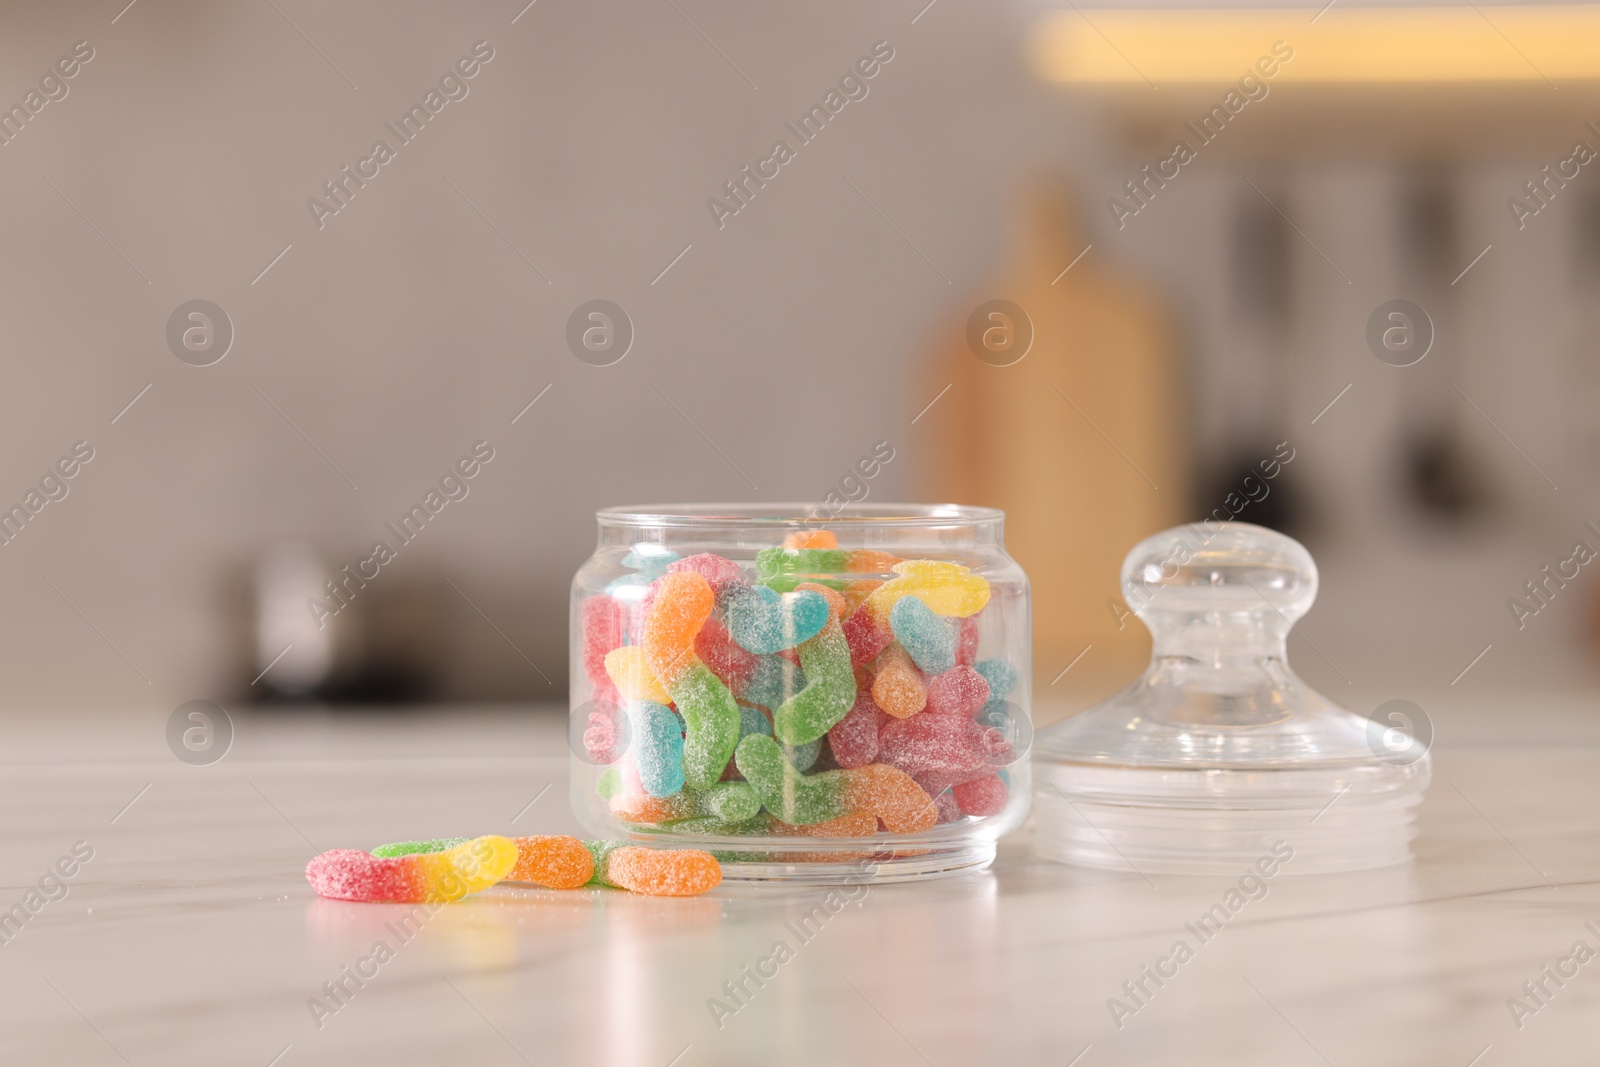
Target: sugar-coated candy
{"points": [[981, 796], [811, 539], [726, 801], [945, 801], [789, 795], [350, 874], [829, 692], [891, 795], [951, 746], [774, 680], [872, 561], [632, 677], [684, 601], [837, 604], [656, 872], [764, 621], [753, 721], [648, 562], [1001, 676], [855, 824], [553, 860], [854, 738], [958, 691], [657, 747], [412, 848], [802, 757], [948, 588], [897, 685], [710, 566], [867, 636], [603, 630], [930, 639], [784, 568], [967, 643], [717, 650]]}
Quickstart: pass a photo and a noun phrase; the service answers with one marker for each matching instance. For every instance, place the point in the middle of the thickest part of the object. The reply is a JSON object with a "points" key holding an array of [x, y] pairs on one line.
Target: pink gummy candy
{"points": [[710, 566], [717, 650], [854, 738], [951, 747], [867, 636], [603, 621], [967, 642], [957, 691], [981, 796]]}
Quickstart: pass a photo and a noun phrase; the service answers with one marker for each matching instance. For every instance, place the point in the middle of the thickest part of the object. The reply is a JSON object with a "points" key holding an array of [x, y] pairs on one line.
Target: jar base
{"points": [[875, 868]]}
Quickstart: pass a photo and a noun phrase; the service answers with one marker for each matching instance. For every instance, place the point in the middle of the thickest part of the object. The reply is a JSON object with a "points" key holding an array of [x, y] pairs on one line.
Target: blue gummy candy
{"points": [[774, 681], [929, 638], [753, 721], [803, 756], [764, 621], [657, 747], [1000, 674]]}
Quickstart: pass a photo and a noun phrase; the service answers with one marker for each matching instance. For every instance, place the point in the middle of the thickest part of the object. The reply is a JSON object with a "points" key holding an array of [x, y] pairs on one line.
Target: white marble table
{"points": [[191, 936]]}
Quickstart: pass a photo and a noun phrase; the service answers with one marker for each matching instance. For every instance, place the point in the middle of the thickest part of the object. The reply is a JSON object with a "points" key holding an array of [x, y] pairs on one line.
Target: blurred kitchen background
{"points": [[1220, 322]]}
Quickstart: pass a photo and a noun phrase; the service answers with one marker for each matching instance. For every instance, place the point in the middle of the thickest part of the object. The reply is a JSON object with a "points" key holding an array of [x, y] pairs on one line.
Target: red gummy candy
{"points": [[950, 747], [867, 637], [982, 796], [854, 738], [602, 633], [957, 691], [717, 650], [945, 801], [967, 642]]}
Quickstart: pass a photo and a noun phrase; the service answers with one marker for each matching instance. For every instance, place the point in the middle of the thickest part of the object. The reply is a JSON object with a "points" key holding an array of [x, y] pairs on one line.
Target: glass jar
{"points": [[819, 700]]}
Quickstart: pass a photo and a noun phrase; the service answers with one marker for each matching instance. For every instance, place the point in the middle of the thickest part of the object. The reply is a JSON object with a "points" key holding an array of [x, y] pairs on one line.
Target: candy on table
{"points": [[350, 874], [829, 692], [867, 636], [632, 677], [930, 639], [789, 795], [947, 588], [891, 795], [967, 642], [785, 568], [655, 872], [958, 691], [657, 747], [1000, 674], [603, 629], [412, 848], [854, 738], [607, 733], [683, 602], [730, 663], [897, 685], [981, 796], [553, 860], [764, 621]]}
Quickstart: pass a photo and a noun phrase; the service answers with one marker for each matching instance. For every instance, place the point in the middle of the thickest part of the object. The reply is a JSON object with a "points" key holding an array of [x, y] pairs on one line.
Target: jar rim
{"points": [[798, 516]]}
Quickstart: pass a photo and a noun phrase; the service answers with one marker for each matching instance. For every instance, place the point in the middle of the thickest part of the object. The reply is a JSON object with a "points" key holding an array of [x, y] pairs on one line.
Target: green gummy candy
{"points": [[711, 722], [415, 848], [830, 690], [784, 568], [733, 801], [601, 851], [796, 798], [610, 783]]}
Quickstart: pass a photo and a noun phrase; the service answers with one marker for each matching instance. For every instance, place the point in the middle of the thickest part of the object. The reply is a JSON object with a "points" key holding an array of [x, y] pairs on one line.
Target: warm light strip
{"points": [[1346, 44]]}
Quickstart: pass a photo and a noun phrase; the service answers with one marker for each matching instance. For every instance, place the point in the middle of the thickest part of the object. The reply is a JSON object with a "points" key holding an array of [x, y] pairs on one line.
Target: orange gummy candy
{"points": [[892, 795], [663, 872], [556, 861], [683, 603], [811, 539], [898, 687]]}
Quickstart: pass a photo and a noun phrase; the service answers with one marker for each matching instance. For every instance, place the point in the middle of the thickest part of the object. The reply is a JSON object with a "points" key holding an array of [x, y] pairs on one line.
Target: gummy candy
{"points": [[867, 636], [929, 638], [1001, 676], [632, 677], [726, 801], [803, 757], [555, 861], [788, 794], [981, 796], [967, 643], [898, 686], [784, 568], [775, 680], [829, 692], [854, 738], [764, 621], [811, 539], [713, 568], [655, 872], [951, 746], [947, 588], [412, 848], [649, 562], [350, 874], [717, 650], [958, 691], [837, 604], [683, 602], [855, 824], [891, 795], [657, 747]]}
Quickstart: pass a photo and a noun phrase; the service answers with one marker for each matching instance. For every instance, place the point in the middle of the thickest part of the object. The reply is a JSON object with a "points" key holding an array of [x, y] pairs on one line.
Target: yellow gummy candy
{"points": [[948, 589], [633, 677], [467, 868]]}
